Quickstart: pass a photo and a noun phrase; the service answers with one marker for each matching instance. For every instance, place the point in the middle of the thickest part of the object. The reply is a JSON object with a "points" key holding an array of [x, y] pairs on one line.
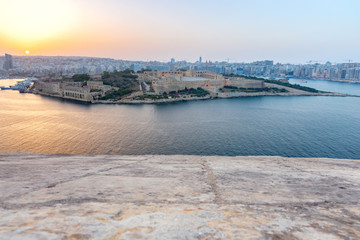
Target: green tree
{"points": [[80, 77], [105, 75]]}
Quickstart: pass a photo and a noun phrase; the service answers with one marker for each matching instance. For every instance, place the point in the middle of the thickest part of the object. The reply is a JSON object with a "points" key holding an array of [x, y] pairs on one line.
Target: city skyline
{"points": [[235, 31]]}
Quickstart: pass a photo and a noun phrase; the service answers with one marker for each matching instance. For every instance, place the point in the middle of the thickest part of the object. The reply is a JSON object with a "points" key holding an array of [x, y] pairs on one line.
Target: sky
{"points": [[295, 31]]}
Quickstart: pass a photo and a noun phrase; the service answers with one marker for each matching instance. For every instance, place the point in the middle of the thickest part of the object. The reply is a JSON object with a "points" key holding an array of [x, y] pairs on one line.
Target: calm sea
{"points": [[285, 126]]}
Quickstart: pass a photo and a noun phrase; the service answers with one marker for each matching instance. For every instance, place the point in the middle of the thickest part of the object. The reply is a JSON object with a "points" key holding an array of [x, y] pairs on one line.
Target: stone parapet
{"points": [[178, 197]]}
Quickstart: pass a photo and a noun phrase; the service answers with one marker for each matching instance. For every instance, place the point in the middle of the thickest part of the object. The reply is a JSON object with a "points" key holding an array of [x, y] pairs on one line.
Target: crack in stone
{"points": [[52, 185], [211, 180], [12, 206]]}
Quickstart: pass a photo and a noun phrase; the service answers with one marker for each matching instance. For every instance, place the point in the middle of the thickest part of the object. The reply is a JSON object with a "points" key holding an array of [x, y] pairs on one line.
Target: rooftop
{"points": [[178, 197]]}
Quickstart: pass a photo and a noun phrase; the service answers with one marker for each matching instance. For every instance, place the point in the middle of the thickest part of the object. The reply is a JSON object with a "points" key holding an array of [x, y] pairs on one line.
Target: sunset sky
{"points": [[242, 30]]}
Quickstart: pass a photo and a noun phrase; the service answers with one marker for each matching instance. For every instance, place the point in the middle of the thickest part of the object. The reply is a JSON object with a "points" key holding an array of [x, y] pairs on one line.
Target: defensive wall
{"points": [[189, 73], [168, 86], [168, 81], [72, 90], [178, 197]]}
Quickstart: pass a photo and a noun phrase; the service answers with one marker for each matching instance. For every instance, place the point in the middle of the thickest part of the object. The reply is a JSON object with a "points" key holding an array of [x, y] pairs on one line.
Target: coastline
{"points": [[213, 94], [331, 80], [178, 197], [220, 96]]}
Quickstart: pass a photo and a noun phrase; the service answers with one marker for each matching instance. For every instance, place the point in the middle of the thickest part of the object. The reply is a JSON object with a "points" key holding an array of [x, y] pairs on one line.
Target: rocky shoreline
{"points": [[220, 96], [223, 96], [178, 197]]}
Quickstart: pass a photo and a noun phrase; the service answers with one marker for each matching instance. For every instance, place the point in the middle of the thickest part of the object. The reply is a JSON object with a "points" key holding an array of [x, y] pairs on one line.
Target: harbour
{"points": [[293, 126]]}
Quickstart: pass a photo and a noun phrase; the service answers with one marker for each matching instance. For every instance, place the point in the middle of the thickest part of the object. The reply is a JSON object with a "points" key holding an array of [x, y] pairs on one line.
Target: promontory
{"points": [[165, 86]]}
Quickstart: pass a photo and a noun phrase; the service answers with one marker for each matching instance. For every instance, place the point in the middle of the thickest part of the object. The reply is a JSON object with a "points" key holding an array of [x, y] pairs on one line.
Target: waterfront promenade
{"points": [[177, 197]]}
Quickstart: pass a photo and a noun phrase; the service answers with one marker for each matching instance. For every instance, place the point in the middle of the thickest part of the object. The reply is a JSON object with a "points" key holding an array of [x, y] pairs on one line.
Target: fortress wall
{"points": [[49, 87], [196, 197], [168, 86], [67, 90], [245, 83], [160, 87], [77, 93]]}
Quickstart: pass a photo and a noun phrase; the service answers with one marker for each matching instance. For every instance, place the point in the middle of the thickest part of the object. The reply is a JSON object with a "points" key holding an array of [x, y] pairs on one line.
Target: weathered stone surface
{"points": [[178, 197]]}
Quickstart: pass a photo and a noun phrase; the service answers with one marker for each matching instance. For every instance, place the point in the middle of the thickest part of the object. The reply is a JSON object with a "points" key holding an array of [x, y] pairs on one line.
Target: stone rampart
{"points": [[178, 197], [168, 86], [53, 88]]}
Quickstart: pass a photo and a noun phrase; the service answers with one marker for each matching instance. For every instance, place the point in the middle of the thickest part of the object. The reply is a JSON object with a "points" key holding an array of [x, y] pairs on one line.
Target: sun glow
{"points": [[29, 21], [27, 52]]}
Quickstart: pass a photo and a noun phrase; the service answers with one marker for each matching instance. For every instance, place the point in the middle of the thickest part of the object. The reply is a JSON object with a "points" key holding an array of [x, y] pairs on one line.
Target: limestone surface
{"points": [[178, 197]]}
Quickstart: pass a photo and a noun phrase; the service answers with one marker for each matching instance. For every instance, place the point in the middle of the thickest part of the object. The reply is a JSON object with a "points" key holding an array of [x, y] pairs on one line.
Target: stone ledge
{"points": [[178, 197]]}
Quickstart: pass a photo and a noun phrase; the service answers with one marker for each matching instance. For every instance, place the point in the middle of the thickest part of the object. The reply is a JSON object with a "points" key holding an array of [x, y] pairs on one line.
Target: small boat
{"points": [[303, 81]]}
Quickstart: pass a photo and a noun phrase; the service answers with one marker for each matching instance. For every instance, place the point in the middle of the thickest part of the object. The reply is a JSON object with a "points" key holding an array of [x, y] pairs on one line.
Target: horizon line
{"points": [[310, 62]]}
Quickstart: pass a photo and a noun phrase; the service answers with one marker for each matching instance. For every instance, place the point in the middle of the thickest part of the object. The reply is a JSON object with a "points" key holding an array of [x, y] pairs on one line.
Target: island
{"points": [[148, 86]]}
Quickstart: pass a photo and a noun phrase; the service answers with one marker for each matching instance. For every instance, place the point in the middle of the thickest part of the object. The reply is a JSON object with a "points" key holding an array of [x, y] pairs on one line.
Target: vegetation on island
{"points": [[115, 94], [81, 77], [252, 90], [285, 84], [191, 92], [77, 78], [144, 70], [125, 81], [198, 92], [153, 97], [296, 86], [122, 79]]}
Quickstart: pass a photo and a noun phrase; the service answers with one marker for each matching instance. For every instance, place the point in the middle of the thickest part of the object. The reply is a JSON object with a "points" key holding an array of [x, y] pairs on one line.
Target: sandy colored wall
{"points": [[166, 86]]}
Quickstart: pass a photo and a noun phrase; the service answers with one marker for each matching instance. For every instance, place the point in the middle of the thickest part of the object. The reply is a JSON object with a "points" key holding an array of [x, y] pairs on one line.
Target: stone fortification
{"points": [[72, 90], [168, 85], [189, 73], [53, 88], [178, 197], [167, 81]]}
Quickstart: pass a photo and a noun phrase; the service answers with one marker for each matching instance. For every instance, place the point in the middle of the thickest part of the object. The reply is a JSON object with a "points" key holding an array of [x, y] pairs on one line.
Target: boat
{"points": [[303, 81], [32, 79]]}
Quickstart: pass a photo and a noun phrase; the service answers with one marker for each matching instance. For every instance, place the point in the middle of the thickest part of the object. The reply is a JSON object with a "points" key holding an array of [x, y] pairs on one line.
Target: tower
{"points": [[200, 59], [8, 64]]}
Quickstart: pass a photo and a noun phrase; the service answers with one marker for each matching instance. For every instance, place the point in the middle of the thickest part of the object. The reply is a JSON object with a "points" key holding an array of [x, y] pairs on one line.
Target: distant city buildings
{"points": [[68, 66], [136, 67], [8, 63]]}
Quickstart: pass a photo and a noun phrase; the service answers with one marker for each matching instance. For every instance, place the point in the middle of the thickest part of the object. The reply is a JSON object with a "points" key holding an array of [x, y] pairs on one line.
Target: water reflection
{"points": [[287, 126]]}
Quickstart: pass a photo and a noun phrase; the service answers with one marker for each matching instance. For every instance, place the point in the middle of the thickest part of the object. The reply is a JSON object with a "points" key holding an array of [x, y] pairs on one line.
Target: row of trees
{"points": [[296, 86], [78, 78], [199, 92], [116, 94], [123, 74], [122, 79]]}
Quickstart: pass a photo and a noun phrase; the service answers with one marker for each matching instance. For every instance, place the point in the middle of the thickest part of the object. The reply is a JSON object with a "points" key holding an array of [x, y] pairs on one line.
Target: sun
{"points": [[27, 52], [36, 20]]}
